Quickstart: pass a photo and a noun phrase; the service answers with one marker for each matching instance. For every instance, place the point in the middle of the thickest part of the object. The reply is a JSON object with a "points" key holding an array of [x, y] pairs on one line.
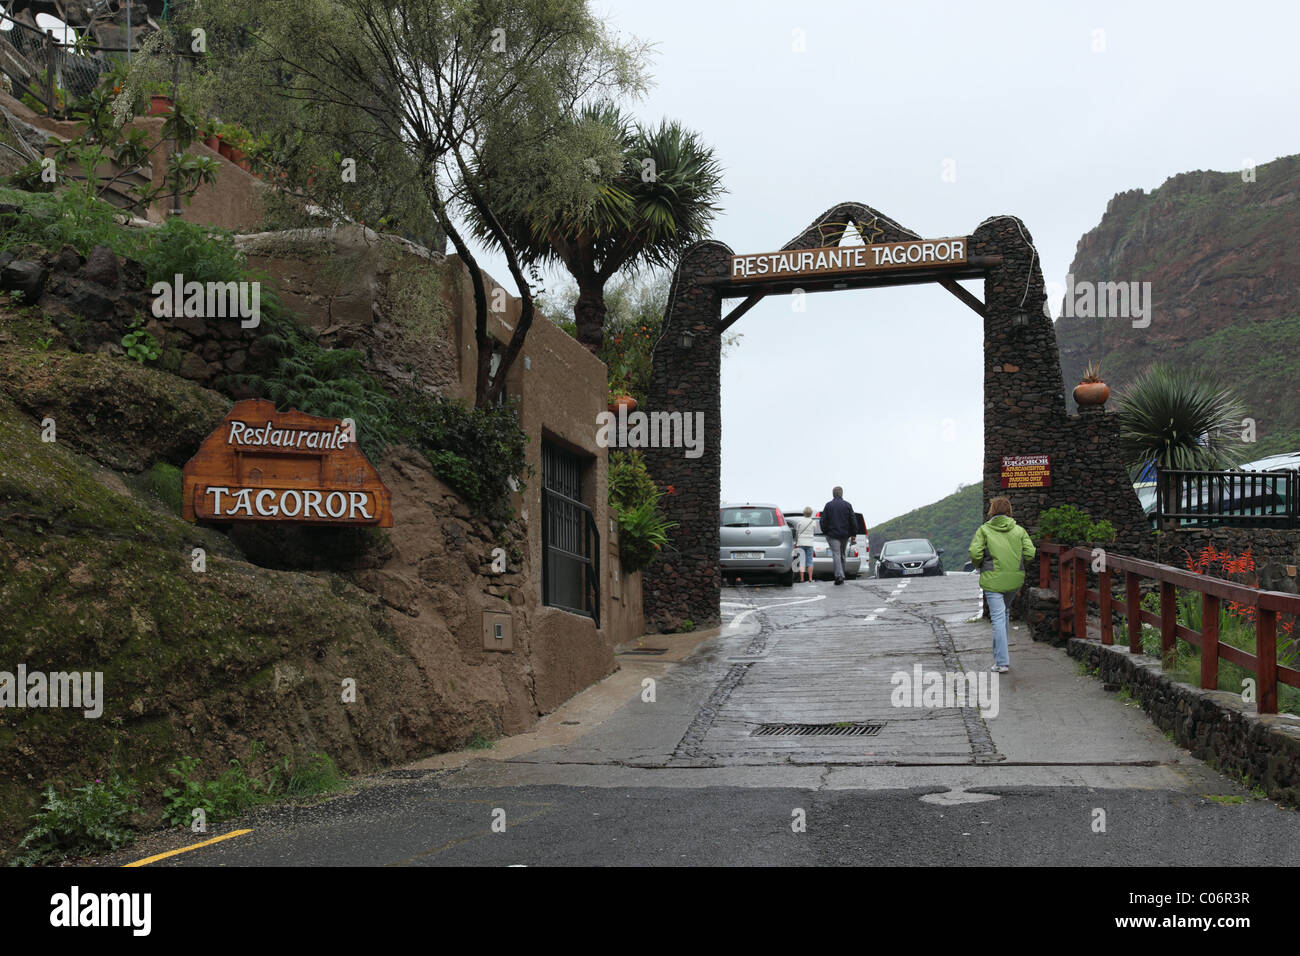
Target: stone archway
{"points": [[1024, 402]]}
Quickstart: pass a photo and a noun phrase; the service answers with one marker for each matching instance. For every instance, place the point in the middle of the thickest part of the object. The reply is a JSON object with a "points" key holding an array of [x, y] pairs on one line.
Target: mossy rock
{"points": [[93, 578], [166, 481], [122, 414]]}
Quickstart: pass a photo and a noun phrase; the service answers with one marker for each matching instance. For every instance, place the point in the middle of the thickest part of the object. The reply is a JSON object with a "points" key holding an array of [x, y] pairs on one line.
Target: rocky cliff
{"points": [[1221, 255]]}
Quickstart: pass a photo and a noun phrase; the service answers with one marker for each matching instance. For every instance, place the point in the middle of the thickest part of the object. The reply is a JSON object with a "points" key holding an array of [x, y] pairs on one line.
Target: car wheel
{"points": [[787, 579]]}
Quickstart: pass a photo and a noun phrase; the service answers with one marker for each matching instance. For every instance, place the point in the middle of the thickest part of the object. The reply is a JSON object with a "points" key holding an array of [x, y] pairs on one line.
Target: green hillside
{"points": [[1259, 359], [950, 523]]}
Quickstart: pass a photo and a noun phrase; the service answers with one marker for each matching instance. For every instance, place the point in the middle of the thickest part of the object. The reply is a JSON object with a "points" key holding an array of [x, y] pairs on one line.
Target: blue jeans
{"points": [[998, 612]]}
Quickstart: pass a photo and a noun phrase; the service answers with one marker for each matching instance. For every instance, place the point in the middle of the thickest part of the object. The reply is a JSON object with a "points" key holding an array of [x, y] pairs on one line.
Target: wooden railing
{"points": [[1070, 583]]}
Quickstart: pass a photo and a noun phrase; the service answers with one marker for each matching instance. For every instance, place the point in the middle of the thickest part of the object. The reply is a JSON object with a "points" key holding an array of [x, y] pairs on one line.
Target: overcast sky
{"points": [[1043, 110]]}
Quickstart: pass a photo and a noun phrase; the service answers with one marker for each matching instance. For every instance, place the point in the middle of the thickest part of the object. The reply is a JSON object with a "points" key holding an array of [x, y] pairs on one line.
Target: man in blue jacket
{"points": [[839, 523]]}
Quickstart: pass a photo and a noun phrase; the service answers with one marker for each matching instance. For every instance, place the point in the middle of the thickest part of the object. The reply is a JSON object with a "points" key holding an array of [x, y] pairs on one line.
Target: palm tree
{"points": [[1177, 418], [655, 196]]}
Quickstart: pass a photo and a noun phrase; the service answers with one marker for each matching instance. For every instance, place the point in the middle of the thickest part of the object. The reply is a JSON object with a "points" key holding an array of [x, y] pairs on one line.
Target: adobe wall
{"points": [[233, 202], [560, 387]]}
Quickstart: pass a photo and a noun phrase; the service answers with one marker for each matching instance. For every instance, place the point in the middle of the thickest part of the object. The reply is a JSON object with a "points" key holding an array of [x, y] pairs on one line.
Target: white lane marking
{"points": [[870, 617], [736, 604], [744, 614], [879, 610], [903, 584]]}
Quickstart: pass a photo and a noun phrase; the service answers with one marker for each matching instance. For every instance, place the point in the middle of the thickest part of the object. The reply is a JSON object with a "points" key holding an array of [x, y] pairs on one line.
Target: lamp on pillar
{"points": [[1020, 320], [687, 339]]}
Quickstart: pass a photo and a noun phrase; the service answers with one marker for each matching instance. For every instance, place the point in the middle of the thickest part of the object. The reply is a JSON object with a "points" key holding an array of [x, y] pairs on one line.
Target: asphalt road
{"points": [[1045, 768]]}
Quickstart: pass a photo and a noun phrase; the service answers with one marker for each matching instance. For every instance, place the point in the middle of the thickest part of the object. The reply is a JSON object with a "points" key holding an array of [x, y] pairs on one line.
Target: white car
{"points": [[855, 554]]}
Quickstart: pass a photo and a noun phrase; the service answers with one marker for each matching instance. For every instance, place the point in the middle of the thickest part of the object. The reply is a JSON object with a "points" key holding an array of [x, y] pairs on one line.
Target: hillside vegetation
{"points": [[1221, 255], [949, 523]]}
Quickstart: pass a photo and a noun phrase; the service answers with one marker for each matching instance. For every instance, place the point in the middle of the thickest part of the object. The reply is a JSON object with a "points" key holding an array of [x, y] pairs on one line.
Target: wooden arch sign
{"points": [[264, 465]]}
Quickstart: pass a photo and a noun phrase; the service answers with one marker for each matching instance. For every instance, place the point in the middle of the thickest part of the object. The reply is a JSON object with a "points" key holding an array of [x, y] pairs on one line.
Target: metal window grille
{"points": [[570, 539]]}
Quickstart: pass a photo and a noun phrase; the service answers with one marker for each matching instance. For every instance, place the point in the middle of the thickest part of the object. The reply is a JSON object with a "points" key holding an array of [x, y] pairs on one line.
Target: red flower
{"points": [[672, 490]]}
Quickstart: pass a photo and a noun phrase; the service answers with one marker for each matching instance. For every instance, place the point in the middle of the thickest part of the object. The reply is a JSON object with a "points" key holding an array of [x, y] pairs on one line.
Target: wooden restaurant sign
{"points": [[264, 465], [839, 260]]}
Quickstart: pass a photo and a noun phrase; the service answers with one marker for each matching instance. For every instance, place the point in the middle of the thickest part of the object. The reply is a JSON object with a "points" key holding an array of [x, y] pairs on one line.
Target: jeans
{"points": [[837, 546], [998, 612]]}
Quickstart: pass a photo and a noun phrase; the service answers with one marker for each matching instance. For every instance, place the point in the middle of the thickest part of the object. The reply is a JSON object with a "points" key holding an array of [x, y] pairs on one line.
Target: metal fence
{"points": [[1244, 499], [39, 65]]}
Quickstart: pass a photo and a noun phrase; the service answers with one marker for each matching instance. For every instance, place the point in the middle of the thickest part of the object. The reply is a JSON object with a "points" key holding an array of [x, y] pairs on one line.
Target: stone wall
{"points": [[1024, 406], [1276, 552], [92, 301], [381, 294], [1216, 726]]}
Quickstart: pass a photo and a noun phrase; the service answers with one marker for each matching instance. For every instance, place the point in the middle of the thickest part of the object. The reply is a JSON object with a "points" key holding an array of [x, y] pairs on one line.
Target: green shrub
{"points": [[1068, 525], [298, 373], [66, 217], [476, 451], [642, 526], [229, 794], [629, 481], [199, 253], [302, 777], [91, 819]]}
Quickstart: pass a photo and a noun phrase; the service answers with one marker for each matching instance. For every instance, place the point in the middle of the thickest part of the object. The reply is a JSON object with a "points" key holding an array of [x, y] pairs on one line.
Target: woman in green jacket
{"points": [[1000, 550]]}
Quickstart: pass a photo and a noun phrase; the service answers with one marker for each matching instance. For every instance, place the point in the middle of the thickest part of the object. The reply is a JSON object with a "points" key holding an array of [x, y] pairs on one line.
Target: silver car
{"points": [[823, 563], [755, 541]]}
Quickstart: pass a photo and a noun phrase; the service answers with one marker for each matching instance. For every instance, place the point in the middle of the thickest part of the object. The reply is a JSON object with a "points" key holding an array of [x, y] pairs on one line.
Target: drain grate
{"points": [[845, 729], [647, 651]]}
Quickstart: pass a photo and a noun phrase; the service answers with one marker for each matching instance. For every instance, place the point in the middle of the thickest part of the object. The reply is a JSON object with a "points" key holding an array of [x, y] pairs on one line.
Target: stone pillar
{"points": [[685, 581], [1024, 401]]}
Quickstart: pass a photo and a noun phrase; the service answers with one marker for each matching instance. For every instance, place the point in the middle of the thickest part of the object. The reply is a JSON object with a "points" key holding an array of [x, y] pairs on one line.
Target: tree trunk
{"points": [[590, 315]]}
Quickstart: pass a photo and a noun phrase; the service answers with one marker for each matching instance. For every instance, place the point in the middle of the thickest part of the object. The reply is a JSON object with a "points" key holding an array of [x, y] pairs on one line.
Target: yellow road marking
{"points": [[186, 849]]}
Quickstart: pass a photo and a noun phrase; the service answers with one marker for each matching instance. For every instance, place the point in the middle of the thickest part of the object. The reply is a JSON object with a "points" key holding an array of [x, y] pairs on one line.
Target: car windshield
{"points": [[748, 518], [910, 546]]}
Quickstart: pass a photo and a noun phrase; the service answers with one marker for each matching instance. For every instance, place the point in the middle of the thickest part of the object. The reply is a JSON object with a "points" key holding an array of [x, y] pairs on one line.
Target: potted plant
{"points": [[225, 139], [160, 101], [240, 140], [1091, 390], [208, 133], [619, 397]]}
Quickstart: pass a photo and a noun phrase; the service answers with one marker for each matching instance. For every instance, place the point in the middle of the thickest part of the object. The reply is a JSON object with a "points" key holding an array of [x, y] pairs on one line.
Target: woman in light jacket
{"points": [[803, 539], [1000, 550]]}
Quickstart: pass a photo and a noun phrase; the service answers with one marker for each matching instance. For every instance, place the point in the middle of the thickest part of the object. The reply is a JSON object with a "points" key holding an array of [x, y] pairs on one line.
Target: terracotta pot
{"points": [[212, 142], [1091, 393], [624, 401], [224, 148], [238, 157], [159, 105]]}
